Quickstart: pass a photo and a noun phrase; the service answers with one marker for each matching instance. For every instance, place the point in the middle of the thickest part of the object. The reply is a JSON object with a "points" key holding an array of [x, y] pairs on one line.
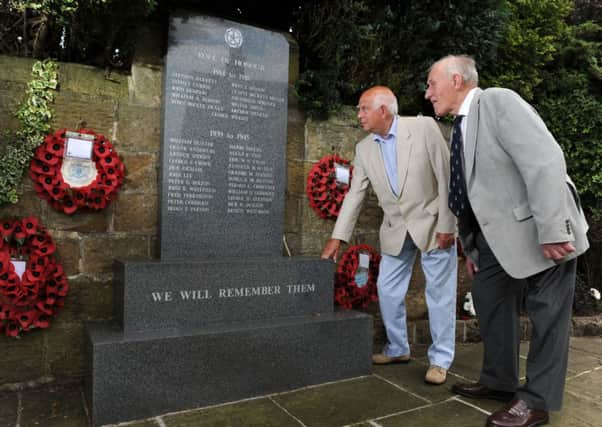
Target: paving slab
{"points": [[591, 345], [256, 413], [142, 423], [410, 377], [451, 413], [53, 407], [8, 409], [577, 412], [347, 402], [588, 385]]}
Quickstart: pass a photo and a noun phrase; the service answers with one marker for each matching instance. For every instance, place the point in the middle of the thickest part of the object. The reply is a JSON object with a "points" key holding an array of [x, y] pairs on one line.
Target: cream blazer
{"points": [[423, 177]]}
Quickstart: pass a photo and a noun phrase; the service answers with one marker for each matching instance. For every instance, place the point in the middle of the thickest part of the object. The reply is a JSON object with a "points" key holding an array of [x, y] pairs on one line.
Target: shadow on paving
{"points": [[394, 395]]}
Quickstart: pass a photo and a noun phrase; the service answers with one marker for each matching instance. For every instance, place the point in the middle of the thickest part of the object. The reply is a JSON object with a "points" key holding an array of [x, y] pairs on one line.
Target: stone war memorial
{"points": [[222, 315]]}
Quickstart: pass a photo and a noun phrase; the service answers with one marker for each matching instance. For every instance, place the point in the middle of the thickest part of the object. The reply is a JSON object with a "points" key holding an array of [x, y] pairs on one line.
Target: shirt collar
{"points": [[392, 134], [465, 107]]}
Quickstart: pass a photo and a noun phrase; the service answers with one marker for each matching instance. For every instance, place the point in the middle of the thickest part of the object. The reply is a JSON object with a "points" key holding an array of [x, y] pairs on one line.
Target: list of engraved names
{"points": [[193, 175]]}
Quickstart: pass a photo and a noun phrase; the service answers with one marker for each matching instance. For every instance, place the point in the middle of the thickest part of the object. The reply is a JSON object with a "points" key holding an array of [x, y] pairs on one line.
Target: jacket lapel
{"points": [[470, 140], [404, 147], [380, 171]]}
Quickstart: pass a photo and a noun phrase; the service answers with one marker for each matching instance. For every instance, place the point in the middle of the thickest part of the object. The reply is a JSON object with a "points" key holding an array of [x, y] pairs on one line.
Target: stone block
{"points": [[325, 138], [297, 173], [145, 85], [415, 303], [472, 330], [74, 111], [149, 374], [22, 359], [16, 69], [29, 204], [89, 298], [98, 253], [136, 213], [292, 220], [92, 81], [184, 294], [68, 255], [82, 222], [64, 345], [140, 173], [295, 144], [139, 128]]}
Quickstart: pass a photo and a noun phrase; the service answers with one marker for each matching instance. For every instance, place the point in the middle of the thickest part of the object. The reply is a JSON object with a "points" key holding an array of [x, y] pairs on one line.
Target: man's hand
{"points": [[445, 240], [471, 268], [331, 249], [557, 251]]}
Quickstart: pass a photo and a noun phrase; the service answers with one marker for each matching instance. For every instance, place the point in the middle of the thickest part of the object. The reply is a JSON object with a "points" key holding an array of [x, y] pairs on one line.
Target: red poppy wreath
{"points": [[325, 194], [91, 184], [355, 286], [30, 297]]}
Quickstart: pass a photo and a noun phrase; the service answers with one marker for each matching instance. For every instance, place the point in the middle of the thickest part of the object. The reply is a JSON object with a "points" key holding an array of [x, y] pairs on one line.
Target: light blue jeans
{"points": [[440, 269]]}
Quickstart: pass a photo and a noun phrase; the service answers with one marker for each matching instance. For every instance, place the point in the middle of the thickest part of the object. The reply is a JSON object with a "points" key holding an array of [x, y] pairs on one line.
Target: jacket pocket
{"points": [[522, 212]]}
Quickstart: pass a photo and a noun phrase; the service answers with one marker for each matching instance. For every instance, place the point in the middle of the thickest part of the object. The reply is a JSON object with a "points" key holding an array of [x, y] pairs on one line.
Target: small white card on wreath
{"points": [[19, 266], [341, 174], [79, 145]]}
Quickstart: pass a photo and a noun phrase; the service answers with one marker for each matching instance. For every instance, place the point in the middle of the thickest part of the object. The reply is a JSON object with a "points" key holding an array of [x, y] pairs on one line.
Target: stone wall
{"points": [[127, 111]]}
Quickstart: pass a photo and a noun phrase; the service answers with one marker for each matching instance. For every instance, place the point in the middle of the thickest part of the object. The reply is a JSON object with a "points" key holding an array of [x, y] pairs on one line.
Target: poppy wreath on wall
{"points": [[355, 286], [30, 297], [324, 192], [71, 183]]}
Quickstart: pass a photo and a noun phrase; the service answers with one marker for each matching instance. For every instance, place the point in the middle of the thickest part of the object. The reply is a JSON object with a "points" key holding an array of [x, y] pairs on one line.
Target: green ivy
{"points": [[34, 115]]}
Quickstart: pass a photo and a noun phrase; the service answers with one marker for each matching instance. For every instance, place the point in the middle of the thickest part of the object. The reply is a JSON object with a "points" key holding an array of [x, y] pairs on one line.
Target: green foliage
{"points": [[536, 30], [34, 115], [350, 45], [569, 101], [575, 119], [98, 32]]}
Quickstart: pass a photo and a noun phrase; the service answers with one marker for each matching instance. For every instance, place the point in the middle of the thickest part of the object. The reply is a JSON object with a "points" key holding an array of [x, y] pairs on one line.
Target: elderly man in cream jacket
{"points": [[406, 160]]}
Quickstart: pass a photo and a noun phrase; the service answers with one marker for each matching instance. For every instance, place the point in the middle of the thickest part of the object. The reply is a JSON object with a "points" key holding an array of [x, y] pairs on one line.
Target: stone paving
{"points": [[393, 396]]}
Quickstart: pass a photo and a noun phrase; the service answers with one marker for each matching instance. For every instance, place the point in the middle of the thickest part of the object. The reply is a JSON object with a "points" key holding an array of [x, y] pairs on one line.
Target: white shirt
{"points": [[463, 111]]}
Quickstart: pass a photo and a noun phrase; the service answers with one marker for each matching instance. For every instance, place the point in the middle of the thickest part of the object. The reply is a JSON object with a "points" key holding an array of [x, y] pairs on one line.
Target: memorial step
{"points": [[150, 373]]}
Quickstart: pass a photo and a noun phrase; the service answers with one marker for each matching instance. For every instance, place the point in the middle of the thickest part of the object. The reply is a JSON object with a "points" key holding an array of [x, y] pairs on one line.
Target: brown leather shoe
{"points": [[382, 359], [479, 391], [517, 414]]}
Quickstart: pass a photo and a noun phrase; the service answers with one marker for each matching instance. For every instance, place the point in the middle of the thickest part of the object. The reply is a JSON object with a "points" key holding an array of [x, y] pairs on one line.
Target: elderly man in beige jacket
{"points": [[406, 160]]}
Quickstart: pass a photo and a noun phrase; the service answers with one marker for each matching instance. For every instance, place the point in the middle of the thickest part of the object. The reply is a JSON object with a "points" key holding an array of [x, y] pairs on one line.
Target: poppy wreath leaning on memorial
{"points": [[29, 301], [352, 287], [325, 194], [46, 170]]}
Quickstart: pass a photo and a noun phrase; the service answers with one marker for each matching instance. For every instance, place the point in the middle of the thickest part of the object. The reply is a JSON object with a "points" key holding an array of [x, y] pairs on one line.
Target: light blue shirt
{"points": [[388, 148]]}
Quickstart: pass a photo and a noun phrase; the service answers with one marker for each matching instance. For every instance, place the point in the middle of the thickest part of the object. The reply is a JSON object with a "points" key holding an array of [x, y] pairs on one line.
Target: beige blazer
{"points": [[517, 184], [423, 177]]}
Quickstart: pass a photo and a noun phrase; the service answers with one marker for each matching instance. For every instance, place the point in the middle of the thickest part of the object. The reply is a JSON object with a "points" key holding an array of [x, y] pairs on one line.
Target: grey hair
{"points": [[460, 64], [388, 100]]}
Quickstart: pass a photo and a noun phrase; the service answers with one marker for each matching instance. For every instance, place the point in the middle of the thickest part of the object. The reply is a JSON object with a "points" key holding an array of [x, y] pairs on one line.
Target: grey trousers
{"points": [[548, 297]]}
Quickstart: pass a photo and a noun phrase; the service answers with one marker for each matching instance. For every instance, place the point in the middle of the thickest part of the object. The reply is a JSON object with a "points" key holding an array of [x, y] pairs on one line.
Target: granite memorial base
{"points": [[154, 372]]}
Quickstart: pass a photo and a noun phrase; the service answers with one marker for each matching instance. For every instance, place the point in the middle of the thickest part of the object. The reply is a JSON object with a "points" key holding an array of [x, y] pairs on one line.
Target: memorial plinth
{"points": [[222, 315]]}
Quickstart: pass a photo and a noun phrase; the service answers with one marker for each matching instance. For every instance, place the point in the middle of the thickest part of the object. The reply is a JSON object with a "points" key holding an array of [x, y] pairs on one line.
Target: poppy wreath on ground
{"points": [[49, 183], [347, 292], [29, 301], [324, 193]]}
